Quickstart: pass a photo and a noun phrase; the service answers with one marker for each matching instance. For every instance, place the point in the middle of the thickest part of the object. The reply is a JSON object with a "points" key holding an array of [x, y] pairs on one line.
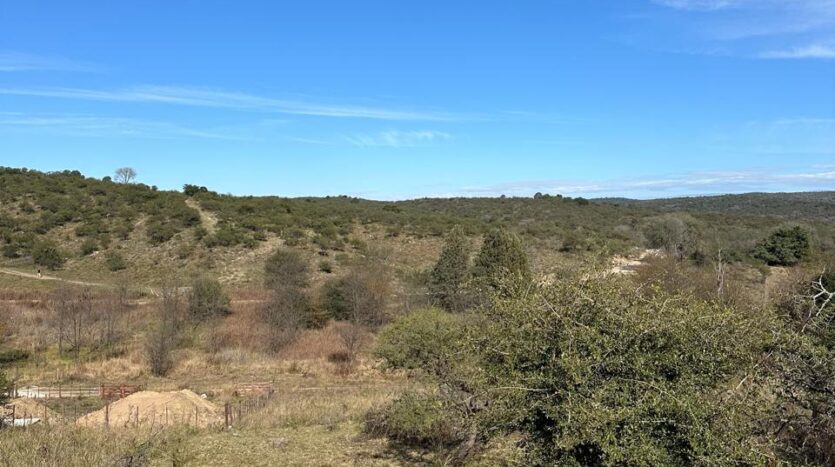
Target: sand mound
{"points": [[26, 408], [149, 408]]}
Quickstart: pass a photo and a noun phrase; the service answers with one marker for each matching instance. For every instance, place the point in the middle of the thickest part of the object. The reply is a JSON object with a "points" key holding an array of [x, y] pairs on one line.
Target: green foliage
{"points": [[786, 246], [448, 278], [677, 234], [423, 340], [595, 372], [5, 386], [191, 190], [46, 253], [88, 247], [502, 256], [417, 420], [334, 300], [207, 299], [286, 268], [115, 261], [8, 357], [325, 266]]}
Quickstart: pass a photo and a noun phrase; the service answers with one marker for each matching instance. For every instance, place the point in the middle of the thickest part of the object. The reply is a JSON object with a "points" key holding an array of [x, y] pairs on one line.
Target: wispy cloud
{"points": [[398, 139], [701, 5], [207, 97], [17, 62], [766, 29], [810, 51], [679, 184], [102, 126]]}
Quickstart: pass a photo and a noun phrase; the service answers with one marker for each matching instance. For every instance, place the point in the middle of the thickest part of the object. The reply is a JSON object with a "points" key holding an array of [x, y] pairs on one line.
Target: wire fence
{"points": [[104, 407]]}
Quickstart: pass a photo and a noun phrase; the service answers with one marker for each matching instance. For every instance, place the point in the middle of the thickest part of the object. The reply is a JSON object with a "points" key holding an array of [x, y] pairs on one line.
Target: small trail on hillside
{"points": [[44, 277], [207, 219]]}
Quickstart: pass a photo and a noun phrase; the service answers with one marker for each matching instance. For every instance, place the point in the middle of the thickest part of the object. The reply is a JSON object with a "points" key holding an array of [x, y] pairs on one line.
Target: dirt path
{"points": [[207, 219], [43, 277]]}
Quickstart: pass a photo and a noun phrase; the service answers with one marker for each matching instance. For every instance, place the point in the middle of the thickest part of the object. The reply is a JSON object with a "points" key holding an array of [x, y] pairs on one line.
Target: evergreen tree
{"points": [[786, 246], [448, 277], [502, 256]]}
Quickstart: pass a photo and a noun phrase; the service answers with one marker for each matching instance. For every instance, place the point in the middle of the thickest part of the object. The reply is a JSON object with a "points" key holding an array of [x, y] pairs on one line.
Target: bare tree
{"points": [[61, 304], [125, 174], [162, 339], [79, 319], [367, 289], [110, 316]]}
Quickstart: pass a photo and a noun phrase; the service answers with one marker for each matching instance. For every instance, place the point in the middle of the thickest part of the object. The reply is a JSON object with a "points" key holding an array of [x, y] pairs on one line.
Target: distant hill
{"points": [[819, 205], [105, 229]]}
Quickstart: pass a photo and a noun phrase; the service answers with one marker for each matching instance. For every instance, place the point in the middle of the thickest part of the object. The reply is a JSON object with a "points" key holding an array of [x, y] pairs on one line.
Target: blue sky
{"points": [[390, 100]]}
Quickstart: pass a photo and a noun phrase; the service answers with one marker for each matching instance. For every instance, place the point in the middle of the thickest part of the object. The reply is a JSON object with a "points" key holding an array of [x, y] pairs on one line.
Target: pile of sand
{"points": [[149, 408], [26, 408]]}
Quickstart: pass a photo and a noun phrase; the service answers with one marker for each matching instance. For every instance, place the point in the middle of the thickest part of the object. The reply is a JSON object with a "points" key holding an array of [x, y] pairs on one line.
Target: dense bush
{"points": [[334, 300], [786, 246], [448, 278], [46, 253], [423, 340], [115, 261], [502, 257], [88, 247], [417, 420], [207, 299], [8, 357], [594, 372]]}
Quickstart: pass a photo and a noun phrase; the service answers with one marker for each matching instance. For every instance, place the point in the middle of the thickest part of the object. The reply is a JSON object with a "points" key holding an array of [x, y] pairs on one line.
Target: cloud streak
{"points": [[398, 139], [801, 29], [214, 98], [19, 62], [821, 51], [688, 183], [99, 126]]}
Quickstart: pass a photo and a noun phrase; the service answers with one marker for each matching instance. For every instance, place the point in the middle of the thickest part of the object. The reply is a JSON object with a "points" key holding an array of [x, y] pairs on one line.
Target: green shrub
{"points": [[160, 231], [114, 261], [8, 357], [417, 420], [207, 299], [88, 247], [11, 250], [448, 277], [46, 253], [334, 301], [423, 340], [502, 256], [325, 266], [593, 371], [786, 246]]}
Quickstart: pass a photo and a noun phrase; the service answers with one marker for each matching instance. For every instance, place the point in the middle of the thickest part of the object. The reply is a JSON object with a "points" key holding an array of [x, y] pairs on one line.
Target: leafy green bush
{"points": [[8, 357], [423, 340], [160, 231], [502, 256], [207, 299], [417, 420], [786, 246], [592, 371], [115, 261], [325, 266], [88, 247], [333, 299], [46, 253], [449, 275]]}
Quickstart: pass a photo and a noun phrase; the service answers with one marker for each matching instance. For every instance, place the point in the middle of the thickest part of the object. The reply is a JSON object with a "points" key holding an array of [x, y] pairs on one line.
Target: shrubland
{"points": [[453, 331]]}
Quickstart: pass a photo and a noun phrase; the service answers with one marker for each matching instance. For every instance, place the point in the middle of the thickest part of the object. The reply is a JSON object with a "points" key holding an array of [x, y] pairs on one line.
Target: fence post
{"points": [[226, 414], [107, 416]]}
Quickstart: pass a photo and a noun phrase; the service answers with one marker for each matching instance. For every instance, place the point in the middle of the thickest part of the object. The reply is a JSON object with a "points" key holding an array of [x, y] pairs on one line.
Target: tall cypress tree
{"points": [[448, 277], [502, 256]]}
